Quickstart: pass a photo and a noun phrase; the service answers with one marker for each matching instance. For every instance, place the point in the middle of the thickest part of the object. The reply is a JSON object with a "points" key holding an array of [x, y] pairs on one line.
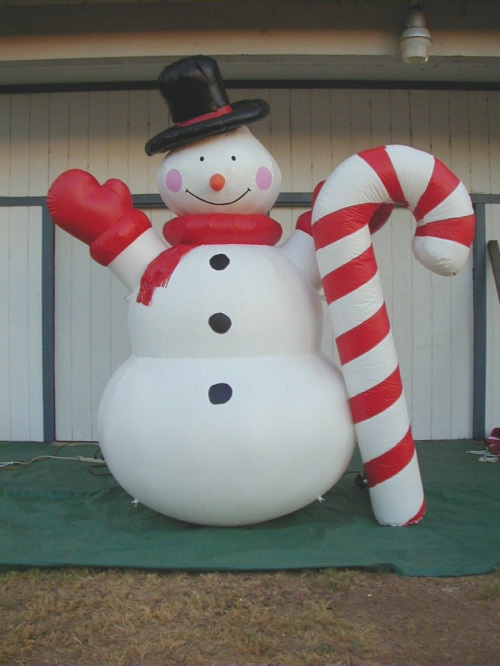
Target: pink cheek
{"points": [[173, 180], [264, 178]]}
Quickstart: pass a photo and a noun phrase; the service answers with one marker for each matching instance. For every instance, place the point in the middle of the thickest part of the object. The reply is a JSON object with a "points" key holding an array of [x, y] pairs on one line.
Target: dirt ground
{"points": [[81, 617]]}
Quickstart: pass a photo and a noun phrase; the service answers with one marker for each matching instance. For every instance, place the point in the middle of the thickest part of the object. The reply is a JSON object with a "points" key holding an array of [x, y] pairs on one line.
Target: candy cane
{"points": [[357, 198]]}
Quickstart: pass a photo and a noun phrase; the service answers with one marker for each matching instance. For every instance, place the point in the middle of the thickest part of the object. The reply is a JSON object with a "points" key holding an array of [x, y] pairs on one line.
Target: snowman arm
{"points": [[103, 216], [130, 264], [300, 250]]}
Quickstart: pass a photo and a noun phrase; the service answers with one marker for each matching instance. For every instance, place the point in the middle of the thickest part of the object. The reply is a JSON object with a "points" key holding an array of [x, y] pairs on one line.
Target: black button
{"points": [[218, 394], [219, 262], [219, 322]]}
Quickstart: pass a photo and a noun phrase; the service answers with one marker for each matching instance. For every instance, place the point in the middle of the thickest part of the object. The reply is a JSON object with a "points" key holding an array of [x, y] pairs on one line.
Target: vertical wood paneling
{"points": [[462, 316], [158, 120], [462, 357], [5, 143], [361, 120], [421, 405], [309, 132], [98, 131], [280, 146], [480, 179], [18, 289], [321, 142], [72, 309], [19, 137], [58, 162], [100, 136], [479, 142], [399, 113], [118, 153], [21, 411], [58, 135], [441, 290], [34, 323], [380, 122], [5, 356], [301, 146], [460, 162], [460, 302], [80, 384], [91, 335], [138, 134], [340, 123], [18, 316], [39, 144]]}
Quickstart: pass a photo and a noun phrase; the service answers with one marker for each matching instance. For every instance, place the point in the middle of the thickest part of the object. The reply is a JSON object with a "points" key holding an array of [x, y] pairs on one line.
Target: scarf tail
{"points": [[159, 271]]}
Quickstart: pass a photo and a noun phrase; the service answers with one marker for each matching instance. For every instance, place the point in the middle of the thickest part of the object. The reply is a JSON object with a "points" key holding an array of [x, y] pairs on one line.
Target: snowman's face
{"points": [[228, 173]]}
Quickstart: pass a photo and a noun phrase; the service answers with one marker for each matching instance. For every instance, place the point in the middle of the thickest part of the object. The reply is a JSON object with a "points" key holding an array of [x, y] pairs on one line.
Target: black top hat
{"points": [[199, 105]]}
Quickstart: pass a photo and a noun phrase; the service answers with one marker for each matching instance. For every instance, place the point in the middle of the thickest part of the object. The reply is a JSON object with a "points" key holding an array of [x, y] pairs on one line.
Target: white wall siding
{"points": [[309, 132], [21, 405], [90, 336]]}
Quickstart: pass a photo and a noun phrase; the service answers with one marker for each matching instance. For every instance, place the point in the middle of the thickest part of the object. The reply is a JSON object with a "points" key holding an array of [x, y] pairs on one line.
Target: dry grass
{"points": [[123, 618], [83, 617], [490, 592]]}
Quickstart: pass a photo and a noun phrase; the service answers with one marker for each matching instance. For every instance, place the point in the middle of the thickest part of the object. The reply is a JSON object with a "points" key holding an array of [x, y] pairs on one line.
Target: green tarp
{"points": [[56, 513]]}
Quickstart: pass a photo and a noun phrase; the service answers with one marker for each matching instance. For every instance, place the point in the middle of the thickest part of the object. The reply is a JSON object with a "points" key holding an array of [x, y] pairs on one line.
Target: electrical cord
{"points": [[360, 481], [18, 465]]}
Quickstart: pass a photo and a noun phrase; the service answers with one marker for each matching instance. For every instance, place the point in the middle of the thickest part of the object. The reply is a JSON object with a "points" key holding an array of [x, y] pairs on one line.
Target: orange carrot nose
{"points": [[217, 182]]}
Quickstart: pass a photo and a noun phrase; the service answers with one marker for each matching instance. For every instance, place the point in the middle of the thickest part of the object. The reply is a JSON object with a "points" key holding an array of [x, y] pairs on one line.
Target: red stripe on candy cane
{"points": [[350, 276], [457, 229], [418, 516], [363, 337], [355, 200], [341, 223], [381, 163], [383, 467], [441, 184], [377, 399]]}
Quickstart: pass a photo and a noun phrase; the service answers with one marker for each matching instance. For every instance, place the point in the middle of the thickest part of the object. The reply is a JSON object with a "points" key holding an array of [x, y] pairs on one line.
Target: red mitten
{"points": [[80, 206], [102, 216]]}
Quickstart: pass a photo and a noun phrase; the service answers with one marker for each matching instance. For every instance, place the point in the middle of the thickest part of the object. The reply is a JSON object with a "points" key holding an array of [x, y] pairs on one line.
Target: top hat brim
{"points": [[242, 113]]}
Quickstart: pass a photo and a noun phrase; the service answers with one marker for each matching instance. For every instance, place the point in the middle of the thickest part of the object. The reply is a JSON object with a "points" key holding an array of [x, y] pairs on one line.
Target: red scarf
{"points": [[187, 232]]}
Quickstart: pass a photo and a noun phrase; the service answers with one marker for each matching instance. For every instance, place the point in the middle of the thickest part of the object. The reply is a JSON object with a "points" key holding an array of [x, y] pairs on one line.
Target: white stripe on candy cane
{"points": [[346, 204]]}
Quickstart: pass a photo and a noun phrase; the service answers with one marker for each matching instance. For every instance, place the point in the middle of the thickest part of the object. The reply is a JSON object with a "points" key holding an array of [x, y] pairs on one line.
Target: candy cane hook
{"points": [[356, 199]]}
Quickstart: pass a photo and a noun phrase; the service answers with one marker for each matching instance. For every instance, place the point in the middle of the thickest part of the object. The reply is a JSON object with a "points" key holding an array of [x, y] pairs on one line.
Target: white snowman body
{"points": [[226, 412]]}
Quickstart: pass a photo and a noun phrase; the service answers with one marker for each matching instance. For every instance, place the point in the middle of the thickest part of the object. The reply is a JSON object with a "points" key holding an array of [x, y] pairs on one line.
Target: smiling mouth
{"points": [[213, 203]]}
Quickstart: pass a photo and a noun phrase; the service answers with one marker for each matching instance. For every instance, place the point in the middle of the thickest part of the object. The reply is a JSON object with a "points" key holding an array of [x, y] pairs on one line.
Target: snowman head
{"points": [[227, 173]]}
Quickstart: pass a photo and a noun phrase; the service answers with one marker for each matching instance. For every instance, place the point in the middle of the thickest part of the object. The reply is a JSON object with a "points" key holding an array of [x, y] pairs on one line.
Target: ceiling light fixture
{"points": [[416, 40]]}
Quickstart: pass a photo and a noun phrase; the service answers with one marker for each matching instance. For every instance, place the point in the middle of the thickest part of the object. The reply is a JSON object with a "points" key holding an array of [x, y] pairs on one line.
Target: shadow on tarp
{"points": [[58, 513]]}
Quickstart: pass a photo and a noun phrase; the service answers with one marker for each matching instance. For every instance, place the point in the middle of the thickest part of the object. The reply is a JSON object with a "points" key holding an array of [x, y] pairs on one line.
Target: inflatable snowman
{"points": [[226, 412]]}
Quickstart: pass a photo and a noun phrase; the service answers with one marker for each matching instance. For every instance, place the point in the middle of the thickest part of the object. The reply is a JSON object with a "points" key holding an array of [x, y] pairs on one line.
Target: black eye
{"points": [[202, 159], [233, 158]]}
